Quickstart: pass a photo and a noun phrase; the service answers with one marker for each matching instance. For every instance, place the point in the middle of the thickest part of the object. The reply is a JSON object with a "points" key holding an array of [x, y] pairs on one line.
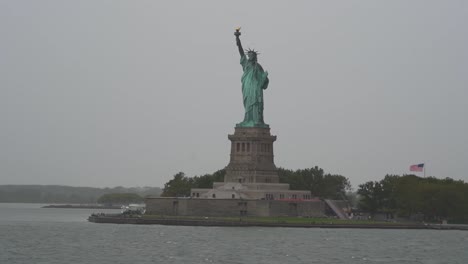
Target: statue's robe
{"points": [[254, 81]]}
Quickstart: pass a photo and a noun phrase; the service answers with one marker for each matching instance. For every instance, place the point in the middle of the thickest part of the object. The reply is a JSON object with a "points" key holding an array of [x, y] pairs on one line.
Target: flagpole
{"points": [[424, 169]]}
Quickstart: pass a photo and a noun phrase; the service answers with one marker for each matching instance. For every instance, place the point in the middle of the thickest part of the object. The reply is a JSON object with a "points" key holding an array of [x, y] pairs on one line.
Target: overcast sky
{"points": [[107, 93]]}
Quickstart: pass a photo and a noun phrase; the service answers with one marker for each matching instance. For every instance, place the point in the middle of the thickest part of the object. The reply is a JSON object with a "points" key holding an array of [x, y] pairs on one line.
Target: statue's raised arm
{"points": [[239, 45]]}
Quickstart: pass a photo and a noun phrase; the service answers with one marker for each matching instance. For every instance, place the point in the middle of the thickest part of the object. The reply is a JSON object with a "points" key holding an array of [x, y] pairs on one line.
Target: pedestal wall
{"points": [[252, 158], [233, 207]]}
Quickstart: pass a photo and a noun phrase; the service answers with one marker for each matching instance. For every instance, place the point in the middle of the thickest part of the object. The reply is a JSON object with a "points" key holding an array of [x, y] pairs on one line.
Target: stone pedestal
{"points": [[251, 172], [252, 159]]}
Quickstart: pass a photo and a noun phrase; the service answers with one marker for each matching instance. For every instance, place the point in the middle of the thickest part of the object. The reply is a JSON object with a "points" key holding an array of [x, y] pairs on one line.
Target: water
{"points": [[30, 234]]}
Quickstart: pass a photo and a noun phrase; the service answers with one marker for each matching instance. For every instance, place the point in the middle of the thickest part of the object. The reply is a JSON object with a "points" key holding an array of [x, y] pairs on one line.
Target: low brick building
{"points": [[233, 207]]}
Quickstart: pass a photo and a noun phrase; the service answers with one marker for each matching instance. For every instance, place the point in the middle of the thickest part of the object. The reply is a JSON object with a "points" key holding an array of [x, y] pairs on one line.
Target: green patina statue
{"points": [[254, 81]]}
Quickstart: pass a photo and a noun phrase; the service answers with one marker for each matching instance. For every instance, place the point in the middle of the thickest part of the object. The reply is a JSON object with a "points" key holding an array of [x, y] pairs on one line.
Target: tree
{"points": [[120, 198], [207, 180], [371, 196], [314, 179], [407, 195], [179, 186], [388, 195]]}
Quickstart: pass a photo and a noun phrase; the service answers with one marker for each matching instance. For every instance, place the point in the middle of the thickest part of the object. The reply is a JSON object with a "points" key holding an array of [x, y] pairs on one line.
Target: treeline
{"points": [[321, 184], [181, 184], [315, 180], [120, 199], [65, 194], [407, 195]]}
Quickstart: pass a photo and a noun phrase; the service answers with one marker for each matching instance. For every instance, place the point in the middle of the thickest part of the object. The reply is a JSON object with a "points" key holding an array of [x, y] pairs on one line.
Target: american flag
{"points": [[417, 167]]}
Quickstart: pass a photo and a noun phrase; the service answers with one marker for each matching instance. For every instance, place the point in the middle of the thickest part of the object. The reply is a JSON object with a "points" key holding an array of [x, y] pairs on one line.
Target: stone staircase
{"points": [[336, 209]]}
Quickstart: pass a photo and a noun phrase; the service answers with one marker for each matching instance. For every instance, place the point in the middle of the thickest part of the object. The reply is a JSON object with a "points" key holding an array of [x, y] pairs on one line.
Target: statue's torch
{"points": [[237, 33]]}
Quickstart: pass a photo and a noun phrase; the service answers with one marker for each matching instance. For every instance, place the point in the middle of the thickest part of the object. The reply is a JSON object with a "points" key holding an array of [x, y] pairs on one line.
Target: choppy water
{"points": [[30, 234]]}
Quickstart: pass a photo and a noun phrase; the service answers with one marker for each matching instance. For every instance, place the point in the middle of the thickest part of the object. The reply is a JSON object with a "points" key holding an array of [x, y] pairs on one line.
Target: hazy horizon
{"points": [[128, 93]]}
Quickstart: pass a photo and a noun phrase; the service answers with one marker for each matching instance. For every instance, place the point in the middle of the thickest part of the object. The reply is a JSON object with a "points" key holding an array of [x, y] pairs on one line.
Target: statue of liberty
{"points": [[254, 81]]}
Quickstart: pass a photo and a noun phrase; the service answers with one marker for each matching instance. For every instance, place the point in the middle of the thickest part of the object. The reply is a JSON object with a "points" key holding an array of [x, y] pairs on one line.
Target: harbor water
{"points": [[31, 234]]}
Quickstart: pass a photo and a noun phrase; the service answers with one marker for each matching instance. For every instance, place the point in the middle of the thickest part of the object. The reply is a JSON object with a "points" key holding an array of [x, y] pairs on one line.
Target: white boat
{"points": [[133, 209]]}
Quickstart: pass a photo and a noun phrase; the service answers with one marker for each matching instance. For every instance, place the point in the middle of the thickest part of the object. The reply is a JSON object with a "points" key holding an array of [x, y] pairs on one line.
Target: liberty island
{"points": [[251, 193]]}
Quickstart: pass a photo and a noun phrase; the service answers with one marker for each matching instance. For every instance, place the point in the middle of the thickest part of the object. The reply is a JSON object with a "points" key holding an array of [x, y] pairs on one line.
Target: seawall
{"points": [[243, 222]]}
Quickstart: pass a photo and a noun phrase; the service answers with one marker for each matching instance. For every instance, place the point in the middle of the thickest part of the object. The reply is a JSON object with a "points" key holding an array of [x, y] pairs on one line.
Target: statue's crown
{"points": [[252, 51]]}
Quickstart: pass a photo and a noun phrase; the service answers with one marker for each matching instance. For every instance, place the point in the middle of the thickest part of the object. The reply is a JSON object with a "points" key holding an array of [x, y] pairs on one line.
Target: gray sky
{"points": [[107, 93]]}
